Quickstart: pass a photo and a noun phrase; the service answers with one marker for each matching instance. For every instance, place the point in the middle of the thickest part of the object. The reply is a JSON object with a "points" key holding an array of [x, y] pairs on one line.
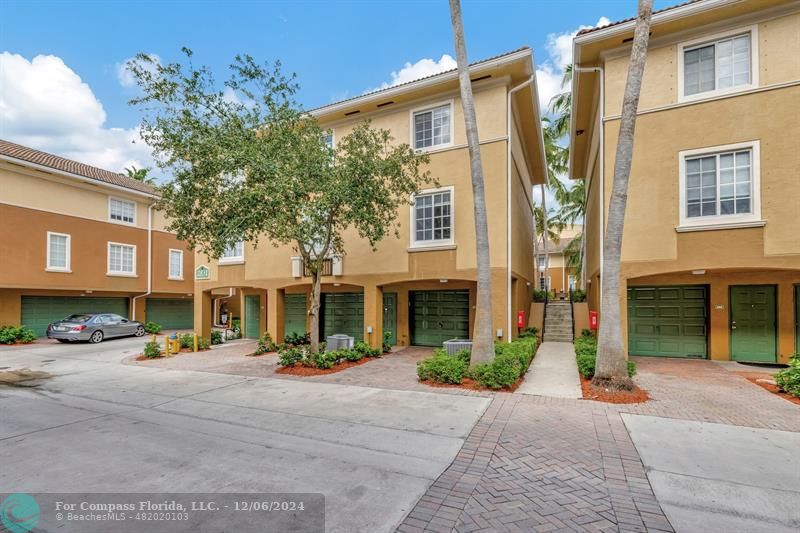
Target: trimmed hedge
{"points": [[788, 379], [293, 355], [14, 334], [586, 356], [511, 361]]}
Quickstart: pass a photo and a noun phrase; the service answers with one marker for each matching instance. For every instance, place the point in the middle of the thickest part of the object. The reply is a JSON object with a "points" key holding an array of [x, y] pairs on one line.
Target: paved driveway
{"points": [[96, 425]]}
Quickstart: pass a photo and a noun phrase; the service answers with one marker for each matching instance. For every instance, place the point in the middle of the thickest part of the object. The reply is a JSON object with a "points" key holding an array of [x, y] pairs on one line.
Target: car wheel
{"points": [[139, 331], [96, 337], [64, 341]]}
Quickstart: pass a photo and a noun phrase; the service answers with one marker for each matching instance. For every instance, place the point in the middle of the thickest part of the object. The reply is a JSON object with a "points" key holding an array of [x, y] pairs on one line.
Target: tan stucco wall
{"points": [[779, 62]]}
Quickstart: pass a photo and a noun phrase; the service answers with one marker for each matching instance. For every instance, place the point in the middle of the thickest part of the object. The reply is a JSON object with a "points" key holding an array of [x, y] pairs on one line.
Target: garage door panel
{"points": [[294, 312], [171, 313], [39, 311], [343, 313], [439, 316], [670, 321]]}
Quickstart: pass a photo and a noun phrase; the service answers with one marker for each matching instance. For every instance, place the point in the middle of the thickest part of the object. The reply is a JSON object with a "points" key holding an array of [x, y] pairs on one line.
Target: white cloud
{"points": [[124, 74], [45, 105], [559, 52], [420, 69]]}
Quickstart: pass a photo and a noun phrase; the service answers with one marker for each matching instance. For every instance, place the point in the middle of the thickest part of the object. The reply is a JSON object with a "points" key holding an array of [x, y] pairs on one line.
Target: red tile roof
{"points": [[623, 21], [23, 153]]}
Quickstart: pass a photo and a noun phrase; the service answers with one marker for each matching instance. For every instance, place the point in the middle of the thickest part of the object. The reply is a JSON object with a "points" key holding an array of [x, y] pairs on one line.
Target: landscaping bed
{"points": [[299, 360], [757, 379], [14, 335], [152, 350], [785, 383], [504, 372], [586, 356]]}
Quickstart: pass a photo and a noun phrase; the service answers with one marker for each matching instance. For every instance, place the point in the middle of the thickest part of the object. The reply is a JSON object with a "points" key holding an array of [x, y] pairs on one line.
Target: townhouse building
{"points": [[554, 270], [420, 288], [79, 239], [711, 242]]}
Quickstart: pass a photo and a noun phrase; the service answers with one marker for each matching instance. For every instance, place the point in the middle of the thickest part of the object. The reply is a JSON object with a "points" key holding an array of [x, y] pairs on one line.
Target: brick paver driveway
{"points": [[534, 463]]}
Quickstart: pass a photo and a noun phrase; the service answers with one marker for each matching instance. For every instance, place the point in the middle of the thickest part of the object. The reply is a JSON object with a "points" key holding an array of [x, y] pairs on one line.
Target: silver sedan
{"points": [[93, 327]]}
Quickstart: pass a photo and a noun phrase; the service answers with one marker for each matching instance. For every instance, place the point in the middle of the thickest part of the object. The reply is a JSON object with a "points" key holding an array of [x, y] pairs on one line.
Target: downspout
{"points": [[508, 203], [601, 214], [149, 258]]}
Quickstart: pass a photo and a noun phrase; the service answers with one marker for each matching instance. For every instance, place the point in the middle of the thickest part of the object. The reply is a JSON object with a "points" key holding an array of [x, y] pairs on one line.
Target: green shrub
{"points": [[297, 339], [586, 346], [14, 334], [578, 295], [587, 333], [501, 372], [529, 333], [216, 337], [586, 363], [351, 355], [539, 295], [788, 379], [152, 350], [186, 340], [364, 349], [387, 347], [442, 368], [265, 344], [203, 343], [325, 360], [291, 356], [152, 328]]}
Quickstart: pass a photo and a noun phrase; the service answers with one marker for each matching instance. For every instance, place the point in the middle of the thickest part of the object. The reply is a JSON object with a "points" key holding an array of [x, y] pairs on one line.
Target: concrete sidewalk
{"points": [[554, 372]]}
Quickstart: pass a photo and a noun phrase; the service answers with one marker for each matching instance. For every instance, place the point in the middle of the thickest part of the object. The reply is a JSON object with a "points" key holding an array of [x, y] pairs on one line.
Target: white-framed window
{"points": [[572, 282], [720, 186], [432, 220], [432, 126], [175, 264], [718, 64], [121, 259], [233, 253], [328, 139], [121, 211], [58, 252]]}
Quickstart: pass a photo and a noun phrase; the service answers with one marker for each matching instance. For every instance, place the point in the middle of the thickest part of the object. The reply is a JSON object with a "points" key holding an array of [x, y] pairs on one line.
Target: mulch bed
{"points": [[774, 389], [299, 370], [471, 384], [590, 392]]}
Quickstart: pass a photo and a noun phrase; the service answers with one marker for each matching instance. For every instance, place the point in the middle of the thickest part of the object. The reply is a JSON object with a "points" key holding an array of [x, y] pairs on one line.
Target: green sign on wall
{"points": [[201, 272]]}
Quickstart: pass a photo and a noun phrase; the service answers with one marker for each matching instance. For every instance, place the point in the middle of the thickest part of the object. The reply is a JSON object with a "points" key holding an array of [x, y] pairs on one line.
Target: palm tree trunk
{"points": [[544, 241], [483, 341], [611, 369]]}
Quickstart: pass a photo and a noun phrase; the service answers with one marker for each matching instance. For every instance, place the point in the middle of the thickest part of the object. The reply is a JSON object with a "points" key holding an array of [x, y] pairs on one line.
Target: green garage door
{"points": [[294, 315], [39, 311], [171, 313], [668, 321], [343, 312], [438, 316]]}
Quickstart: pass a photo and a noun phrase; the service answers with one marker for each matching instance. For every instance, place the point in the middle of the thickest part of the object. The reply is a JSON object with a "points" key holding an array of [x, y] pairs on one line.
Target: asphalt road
{"points": [[91, 424]]}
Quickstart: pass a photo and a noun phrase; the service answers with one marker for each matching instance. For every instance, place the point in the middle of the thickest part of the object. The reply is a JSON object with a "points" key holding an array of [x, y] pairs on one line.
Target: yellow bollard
{"points": [[195, 342], [166, 345]]}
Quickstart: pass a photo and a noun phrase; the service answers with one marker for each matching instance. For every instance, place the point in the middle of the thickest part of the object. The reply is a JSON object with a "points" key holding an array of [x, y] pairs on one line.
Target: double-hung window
{"points": [[58, 252], [432, 214], [121, 259], [720, 185], [718, 66], [123, 211], [432, 127], [176, 264], [233, 253]]}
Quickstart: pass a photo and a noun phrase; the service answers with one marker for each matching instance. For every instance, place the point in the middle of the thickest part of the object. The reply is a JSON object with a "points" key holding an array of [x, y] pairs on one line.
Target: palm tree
{"points": [[574, 254], [561, 106], [611, 369], [139, 174], [572, 203], [554, 225], [483, 340]]}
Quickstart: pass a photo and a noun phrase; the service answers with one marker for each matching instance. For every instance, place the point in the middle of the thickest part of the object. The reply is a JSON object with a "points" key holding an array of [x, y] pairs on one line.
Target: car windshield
{"points": [[78, 318]]}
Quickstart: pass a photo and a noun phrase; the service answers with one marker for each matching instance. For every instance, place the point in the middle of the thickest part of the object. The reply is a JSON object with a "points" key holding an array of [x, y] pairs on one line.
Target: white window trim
{"points": [[722, 221], [68, 266], [333, 136], [708, 39], [429, 107], [441, 243], [169, 265], [120, 273], [135, 209], [232, 260]]}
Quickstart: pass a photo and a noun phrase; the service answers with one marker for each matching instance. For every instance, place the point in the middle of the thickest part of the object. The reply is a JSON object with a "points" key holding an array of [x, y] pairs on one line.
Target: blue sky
{"points": [[75, 101]]}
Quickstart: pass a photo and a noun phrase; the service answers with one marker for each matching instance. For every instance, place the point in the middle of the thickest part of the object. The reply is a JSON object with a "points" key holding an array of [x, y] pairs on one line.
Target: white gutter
{"points": [[508, 203], [602, 203], [149, 259], [84, 179]]}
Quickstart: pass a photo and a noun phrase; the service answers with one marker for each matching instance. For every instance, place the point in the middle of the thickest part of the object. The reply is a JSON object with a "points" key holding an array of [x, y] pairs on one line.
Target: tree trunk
{"points": [[611, 369], [544, 241], [313, 311], [483, 340]]}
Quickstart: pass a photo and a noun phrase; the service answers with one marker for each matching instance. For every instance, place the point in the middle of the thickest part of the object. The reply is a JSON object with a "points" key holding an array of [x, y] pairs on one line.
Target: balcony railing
{"points": [[327, 268]]}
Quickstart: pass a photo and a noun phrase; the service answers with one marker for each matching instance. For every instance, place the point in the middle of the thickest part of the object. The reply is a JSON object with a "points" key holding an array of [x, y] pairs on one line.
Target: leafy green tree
{"points": [[256, 167], [139, 174]]}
